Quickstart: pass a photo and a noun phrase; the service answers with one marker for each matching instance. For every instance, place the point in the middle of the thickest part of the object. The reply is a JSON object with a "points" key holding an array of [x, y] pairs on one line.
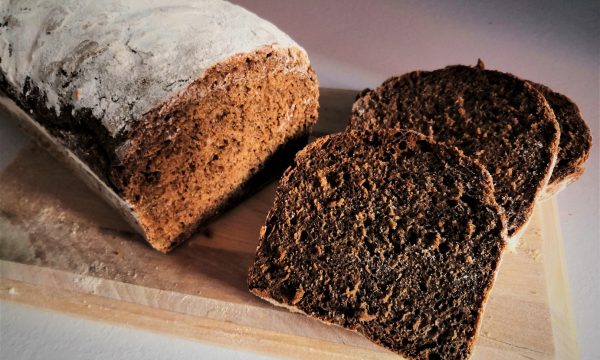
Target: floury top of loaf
{"points": [[122, 72]]}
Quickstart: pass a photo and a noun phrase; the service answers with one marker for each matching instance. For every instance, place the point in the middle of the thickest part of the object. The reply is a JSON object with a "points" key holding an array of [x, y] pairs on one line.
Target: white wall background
{"points": [[356, 44]]}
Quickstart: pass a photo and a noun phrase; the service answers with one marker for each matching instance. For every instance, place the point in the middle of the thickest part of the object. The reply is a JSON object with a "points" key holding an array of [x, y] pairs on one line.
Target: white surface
{"points": [[356, 44], [29, 333]]}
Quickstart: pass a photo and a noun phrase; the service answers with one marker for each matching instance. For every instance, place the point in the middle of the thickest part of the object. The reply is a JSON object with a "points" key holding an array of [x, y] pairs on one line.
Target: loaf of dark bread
{"points": [[494, 117], [575, 141], [388, 234], [167, 109]]}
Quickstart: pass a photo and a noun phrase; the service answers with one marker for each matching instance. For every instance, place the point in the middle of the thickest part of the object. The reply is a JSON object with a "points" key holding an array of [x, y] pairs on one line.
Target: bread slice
{"points": [[388, 234], [168, 109], [575, 141], [494, 117]]}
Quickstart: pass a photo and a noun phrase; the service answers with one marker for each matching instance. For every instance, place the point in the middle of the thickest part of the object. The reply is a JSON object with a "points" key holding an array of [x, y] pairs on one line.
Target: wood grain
{"points": [[63, 248]]}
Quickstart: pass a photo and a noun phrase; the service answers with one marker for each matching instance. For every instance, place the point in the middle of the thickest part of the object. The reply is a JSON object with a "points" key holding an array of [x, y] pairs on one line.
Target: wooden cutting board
{"points": [[62, 248]]}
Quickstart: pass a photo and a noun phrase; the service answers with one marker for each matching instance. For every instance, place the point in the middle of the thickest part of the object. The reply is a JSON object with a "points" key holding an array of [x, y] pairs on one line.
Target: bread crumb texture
{"points": [[407, 260], [494, 117]]}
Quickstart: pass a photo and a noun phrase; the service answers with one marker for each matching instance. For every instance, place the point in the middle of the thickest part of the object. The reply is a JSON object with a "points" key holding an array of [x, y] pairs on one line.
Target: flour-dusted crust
{"points": [[173, 105], [122, 58]]}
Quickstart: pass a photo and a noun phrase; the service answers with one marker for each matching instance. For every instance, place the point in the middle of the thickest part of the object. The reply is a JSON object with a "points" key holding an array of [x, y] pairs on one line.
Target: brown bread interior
{"points": [[189, 156]]}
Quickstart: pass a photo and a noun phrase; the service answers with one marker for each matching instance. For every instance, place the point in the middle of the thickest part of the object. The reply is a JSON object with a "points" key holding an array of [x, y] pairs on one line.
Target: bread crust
{"points": [[555, 187]]}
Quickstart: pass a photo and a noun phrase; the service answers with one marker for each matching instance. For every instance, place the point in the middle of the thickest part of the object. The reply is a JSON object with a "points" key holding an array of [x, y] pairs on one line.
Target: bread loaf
{"points": [[494, 117], [168, 106], [388, 234]]}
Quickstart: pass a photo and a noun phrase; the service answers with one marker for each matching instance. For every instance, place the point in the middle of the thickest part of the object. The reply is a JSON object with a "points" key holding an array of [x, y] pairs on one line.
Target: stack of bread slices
{"points": [[396, 227]]}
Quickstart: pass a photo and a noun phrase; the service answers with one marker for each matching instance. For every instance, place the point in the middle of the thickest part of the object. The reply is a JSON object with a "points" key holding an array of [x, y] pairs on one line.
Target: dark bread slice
{"points": [[575, 141], [498, 119], [388, 234]]}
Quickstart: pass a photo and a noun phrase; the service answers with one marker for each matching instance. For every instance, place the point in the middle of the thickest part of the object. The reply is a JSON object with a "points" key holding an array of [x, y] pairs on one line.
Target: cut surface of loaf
{"points": [[575, 141], [491, 116], [388, 234], [173, 104]]}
